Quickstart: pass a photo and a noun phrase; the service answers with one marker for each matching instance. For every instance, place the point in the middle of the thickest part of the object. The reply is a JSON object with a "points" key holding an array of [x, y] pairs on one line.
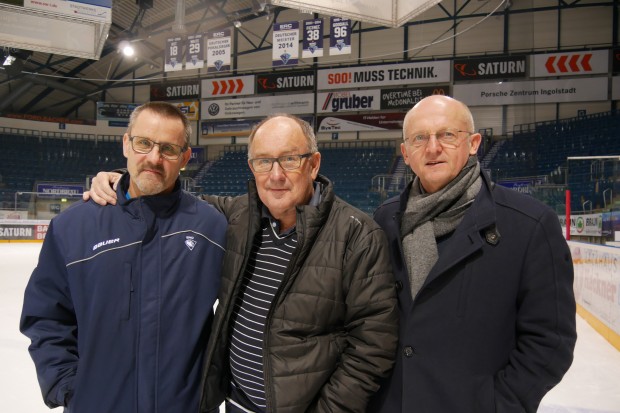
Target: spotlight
{"points": [[127, 48], [8, 60], [237, 24]]}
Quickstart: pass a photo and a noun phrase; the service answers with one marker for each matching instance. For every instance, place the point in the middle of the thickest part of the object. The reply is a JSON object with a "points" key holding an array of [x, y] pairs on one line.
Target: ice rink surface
{"points": [[592, 385]]}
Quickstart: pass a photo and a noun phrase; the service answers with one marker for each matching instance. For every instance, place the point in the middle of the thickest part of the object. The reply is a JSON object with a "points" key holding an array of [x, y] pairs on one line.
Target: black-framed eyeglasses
{"points": [[169, 151], [448, 138], [287, 162]]}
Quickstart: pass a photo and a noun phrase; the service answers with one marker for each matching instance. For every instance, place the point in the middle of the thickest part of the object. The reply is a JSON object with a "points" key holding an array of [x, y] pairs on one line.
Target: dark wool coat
{"points": [[493, 327], [331, 333]]}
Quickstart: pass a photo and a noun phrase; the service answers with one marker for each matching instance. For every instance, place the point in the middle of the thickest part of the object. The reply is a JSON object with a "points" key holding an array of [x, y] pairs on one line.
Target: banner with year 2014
{"points": [[218, 51], [285, 44]]}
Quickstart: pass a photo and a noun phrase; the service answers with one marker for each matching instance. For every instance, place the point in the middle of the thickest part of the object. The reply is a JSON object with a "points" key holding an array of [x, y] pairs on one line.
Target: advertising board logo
{"points": [[465, 70], [344, 101], [227, 87], [213, 109], [580, 225], [569, 63]]}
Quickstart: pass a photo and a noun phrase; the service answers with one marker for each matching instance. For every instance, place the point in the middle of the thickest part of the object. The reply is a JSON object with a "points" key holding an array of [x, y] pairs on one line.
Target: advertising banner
{"points": [[530, 92], [257, 106], [569, 64], [405, 98], [23, 230], [219, 45], [503, 67], [340, 36], [285, 82], [285, 50], [585, 225], [313, 38], [176, 90], [174, 54], [597, 281], [101, 10], [360, 123], [115, 111], [241, 127], [384, 75], [58, 190]]}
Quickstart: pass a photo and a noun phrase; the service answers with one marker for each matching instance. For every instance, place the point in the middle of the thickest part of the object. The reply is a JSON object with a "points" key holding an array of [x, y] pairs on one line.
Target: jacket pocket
{"points": [[127, 291]]}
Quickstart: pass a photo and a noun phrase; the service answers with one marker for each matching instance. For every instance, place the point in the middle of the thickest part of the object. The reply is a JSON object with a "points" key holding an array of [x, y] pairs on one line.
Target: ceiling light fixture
{"points": [[237, 24], [128, 50]]}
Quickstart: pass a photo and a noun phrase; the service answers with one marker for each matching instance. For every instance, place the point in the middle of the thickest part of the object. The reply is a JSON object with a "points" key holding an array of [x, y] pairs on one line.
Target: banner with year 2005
{"points": [[285, 44], [218, 51]]}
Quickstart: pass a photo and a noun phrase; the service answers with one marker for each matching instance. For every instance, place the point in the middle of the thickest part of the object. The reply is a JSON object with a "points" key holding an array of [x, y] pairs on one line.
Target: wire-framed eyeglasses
{"points": [[286, 162], [448, 138], [168, 151]]}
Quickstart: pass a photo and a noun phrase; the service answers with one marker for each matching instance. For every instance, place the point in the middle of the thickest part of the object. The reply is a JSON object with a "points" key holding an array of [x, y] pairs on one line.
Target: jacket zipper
{"points": [[292, 269]]}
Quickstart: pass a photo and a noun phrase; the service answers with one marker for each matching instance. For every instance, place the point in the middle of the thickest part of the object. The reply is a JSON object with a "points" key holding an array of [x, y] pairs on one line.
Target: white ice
{"points": [[592, 385]]}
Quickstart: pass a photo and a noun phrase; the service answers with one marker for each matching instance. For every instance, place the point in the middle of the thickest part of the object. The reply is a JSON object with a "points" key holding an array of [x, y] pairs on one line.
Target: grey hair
{"points": [[164, 109]]}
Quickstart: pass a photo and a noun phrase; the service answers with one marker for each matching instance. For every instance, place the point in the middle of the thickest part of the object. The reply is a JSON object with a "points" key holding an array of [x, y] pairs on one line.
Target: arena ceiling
{"points": [[47, 84], [53, 85]]}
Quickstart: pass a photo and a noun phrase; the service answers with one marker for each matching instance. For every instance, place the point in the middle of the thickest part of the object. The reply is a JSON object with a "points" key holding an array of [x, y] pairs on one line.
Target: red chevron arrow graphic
{"points": [[216, 87], [562, 64], [585, 62], [549, 64], [239, 86], [231, 86], [573, 63]]}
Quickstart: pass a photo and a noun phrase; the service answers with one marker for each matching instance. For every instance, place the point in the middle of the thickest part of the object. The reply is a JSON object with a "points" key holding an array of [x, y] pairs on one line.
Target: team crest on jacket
{"points": [[190, 242]]}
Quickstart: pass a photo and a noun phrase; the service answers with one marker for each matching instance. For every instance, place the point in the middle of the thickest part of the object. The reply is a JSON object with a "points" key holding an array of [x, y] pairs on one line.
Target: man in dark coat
{"points": [[484, 279]]}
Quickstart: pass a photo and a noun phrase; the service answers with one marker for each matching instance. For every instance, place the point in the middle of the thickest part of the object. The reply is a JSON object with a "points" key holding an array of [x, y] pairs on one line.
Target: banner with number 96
{"points": [[340, 36]]}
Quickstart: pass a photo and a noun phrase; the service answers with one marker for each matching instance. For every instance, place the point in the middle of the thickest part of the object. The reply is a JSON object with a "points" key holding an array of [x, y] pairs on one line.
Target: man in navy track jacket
{"points": [[119, 307]]}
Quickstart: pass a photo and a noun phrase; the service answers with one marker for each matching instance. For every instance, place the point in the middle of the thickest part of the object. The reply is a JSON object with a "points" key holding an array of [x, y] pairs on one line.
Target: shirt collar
{"points": [[275, 224]]}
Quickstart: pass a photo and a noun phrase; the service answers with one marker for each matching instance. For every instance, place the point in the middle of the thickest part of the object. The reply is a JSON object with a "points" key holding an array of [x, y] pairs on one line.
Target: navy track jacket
{"points": [[119, 306]]}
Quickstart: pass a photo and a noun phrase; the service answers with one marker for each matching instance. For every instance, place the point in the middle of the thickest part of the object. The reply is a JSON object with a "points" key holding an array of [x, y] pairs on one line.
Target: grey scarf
{"points": [[429, 216]]}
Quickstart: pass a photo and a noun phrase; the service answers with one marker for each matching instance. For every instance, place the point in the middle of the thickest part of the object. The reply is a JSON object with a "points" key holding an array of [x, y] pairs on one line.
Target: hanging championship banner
{"points": [[285, 44], [340, 37], [218, 51], [174, 56], [195, 53], [313, 38]]}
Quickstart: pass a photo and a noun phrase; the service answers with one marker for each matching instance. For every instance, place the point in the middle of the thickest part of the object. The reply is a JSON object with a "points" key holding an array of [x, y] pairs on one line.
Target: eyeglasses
{"points": [[169, 151], [448, 138], [287, 162]]}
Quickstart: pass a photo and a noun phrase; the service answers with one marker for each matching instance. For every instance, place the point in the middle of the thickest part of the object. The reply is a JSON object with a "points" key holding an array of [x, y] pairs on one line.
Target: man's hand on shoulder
{"points": [[103, 188]]}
